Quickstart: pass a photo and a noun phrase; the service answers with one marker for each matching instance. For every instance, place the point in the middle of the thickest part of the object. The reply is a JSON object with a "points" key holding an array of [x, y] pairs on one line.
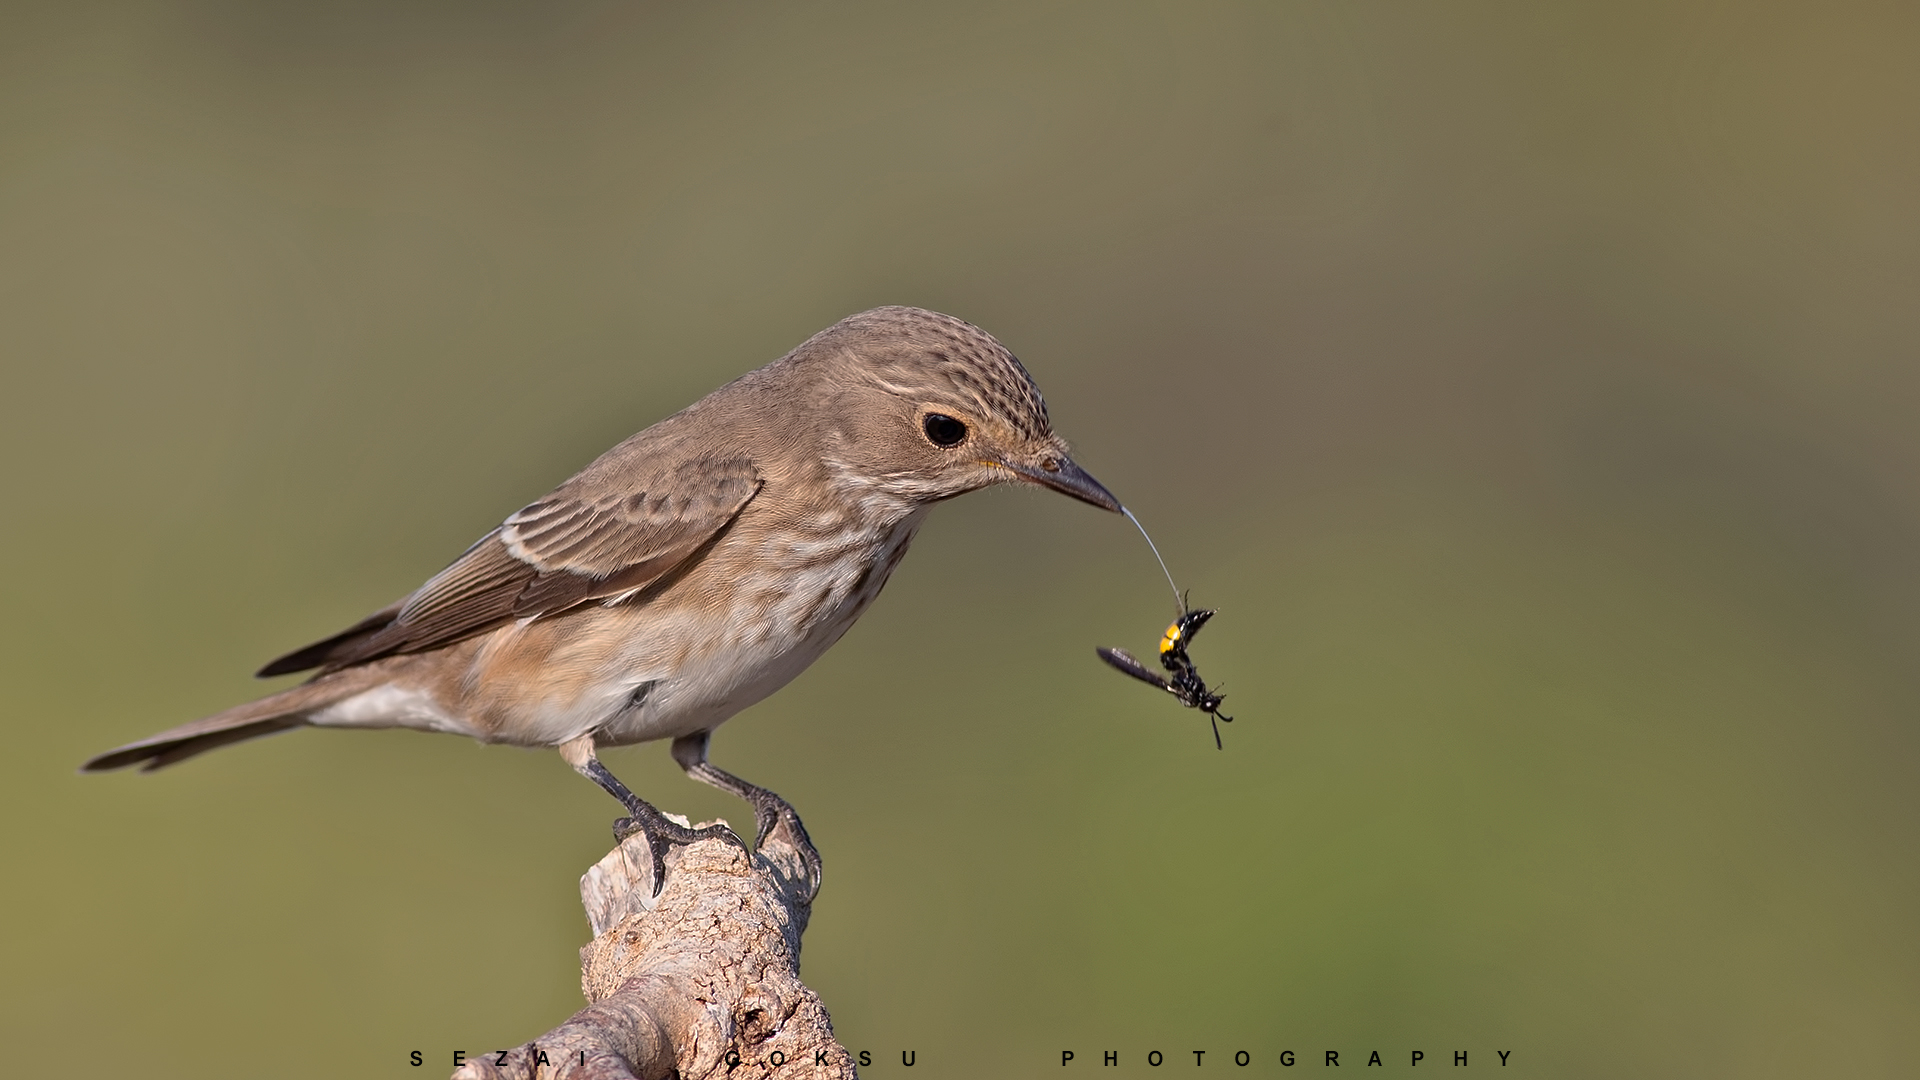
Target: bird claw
{"points": [[769, 813], [662, 832]]}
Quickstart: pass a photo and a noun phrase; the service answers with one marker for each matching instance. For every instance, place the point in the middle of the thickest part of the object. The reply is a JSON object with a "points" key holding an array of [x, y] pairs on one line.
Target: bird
{"points": [[687, 573]]}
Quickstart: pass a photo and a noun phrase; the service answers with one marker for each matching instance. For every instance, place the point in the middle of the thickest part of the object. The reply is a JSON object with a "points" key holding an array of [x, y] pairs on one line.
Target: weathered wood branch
{"points": [[702, 981]]}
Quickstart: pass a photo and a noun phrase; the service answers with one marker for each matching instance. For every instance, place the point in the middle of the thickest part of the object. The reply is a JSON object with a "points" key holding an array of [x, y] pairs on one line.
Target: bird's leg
{"points": [[646, 818], [769, 810]]}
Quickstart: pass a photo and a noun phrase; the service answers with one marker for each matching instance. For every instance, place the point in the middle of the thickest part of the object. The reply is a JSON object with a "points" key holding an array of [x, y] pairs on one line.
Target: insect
{"points": [[1183, 679]]}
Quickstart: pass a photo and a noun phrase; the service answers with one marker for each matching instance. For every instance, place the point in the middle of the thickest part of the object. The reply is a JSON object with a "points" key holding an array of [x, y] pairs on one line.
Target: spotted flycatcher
{"points": [[687, 573]]}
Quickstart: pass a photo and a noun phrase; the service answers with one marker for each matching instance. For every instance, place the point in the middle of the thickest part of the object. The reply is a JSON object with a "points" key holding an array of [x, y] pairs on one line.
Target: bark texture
{"points": [[701, 981]]}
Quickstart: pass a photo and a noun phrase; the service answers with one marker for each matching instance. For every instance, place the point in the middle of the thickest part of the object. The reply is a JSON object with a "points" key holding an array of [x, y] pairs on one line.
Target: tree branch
{"points": [[702, 981]]}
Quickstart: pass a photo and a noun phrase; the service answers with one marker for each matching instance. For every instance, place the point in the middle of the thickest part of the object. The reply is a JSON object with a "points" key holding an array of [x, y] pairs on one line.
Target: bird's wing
{"points": [[589, 540]]}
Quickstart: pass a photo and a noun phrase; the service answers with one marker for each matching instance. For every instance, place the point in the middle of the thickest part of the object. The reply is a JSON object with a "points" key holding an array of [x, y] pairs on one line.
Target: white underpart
{"points": [[387, 707], [745, 669]]}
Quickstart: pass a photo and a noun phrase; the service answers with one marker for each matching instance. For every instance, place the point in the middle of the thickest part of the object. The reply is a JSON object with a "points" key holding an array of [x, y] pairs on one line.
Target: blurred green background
{"points": [[1532, 388]]}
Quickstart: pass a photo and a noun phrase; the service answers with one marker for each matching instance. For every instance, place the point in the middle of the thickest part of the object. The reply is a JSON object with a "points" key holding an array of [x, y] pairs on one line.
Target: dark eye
{"points": [[944, 430]]}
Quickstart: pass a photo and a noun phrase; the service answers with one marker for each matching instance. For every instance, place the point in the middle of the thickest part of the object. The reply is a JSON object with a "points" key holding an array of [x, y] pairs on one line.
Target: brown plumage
{"points": [[689, 571]]}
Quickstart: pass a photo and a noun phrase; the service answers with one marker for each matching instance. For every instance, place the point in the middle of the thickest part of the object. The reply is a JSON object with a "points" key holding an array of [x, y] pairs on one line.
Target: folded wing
{"points": [[570, 548]]}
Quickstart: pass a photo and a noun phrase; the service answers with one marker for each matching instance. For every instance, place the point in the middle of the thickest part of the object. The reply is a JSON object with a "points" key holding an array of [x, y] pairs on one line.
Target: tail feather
{"points": [[283, 711], [165, 749]]}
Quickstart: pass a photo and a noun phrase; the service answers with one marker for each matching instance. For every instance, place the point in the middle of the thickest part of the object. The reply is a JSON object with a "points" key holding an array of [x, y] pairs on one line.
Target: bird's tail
{"points": [[283, 711]]}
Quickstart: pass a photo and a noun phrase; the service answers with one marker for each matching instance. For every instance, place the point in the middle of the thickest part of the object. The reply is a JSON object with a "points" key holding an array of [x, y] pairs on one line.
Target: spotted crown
{"points": [[964, 359]]}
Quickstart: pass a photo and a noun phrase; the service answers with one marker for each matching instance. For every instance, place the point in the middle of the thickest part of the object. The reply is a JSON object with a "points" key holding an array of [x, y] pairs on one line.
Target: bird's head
{"points": [[925, 407]]}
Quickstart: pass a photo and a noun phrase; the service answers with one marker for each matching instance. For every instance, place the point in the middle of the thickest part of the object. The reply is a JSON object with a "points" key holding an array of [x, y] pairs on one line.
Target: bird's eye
{"points": [[943, 430]]}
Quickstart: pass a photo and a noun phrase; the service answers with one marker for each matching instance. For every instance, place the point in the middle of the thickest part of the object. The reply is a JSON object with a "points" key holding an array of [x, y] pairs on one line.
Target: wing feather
{"points": [[597, 536]]}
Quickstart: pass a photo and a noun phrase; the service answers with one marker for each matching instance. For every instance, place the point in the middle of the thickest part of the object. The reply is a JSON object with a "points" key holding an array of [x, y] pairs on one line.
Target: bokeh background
{"points": [[1532, 388]]}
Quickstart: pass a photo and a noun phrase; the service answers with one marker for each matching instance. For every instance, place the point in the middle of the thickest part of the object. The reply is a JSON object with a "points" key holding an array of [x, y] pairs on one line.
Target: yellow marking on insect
{"points": [[1171, 639]]}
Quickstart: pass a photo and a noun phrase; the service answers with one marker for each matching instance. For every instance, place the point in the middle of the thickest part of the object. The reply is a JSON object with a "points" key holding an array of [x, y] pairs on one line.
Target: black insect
{"points": [[1183, 679]]}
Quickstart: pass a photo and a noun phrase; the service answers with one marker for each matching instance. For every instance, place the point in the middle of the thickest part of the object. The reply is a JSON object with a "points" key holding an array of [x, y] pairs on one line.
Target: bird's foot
{"points": [[662, 832], [770, 812]]}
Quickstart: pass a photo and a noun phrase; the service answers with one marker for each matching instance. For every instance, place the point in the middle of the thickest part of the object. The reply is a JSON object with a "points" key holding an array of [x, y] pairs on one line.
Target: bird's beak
{"points": [[1057, 471]]}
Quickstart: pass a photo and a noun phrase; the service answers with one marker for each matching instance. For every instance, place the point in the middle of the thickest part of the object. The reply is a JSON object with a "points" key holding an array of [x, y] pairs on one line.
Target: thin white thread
{"points": [[1178, 600]]}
